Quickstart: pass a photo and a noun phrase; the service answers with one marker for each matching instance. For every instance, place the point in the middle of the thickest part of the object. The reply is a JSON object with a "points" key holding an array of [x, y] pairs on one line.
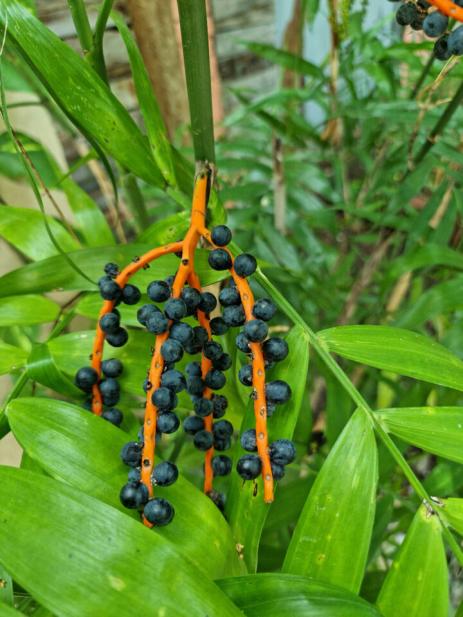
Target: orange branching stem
{"points": [[449, 8]]}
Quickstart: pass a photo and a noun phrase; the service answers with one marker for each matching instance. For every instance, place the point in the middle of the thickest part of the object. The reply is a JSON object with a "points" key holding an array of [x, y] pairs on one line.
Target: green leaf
{"points": [[430, 255], [24, 229], [55, 273], [286, 595], [41, 367], [435, 429], [166, 230], [247, 511], [11, 358], [80, 92], [9, 611], [285, 59], [452, 510], [6, 588], [83, 450], [417, 582], [149, 107], [396, 350], [27, 310], [101, 561], [332, 537]]}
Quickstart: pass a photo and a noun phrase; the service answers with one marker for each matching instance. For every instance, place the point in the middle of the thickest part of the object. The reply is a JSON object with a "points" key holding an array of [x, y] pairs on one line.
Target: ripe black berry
{"points": [[193, 369], [229, 296], [222, 429], [194, 385], [406, 14], [109, 289], [113, 415], [213, 350], [245, 375], [234, 316], [164, 474], [203, 440], [134, 474], [167, 423], [158, 291], [174, 380], [223, 363], [256, 330], [111, 269], [249, 467], [220, 404], [171, 350], [221, 235], [130, 294], [245, 265], [164, 399], [193, 424], [435, 24], [282, 452], [277, 391], [222, 443], [221, 465], [278, 471], [110, 391], [192, 298], [175, 309], [218, 499], [131, 453], [85, 378], [111, 367], [118, 338], [242, 342], [264, 309], [218, 326], [158, 511], [133, 495], [275, 349], [214, 379], [441, 48], [110, 323], [200, 335], [219, 259], [248, 440], [182, 332], [203, 407], [208, 302]]}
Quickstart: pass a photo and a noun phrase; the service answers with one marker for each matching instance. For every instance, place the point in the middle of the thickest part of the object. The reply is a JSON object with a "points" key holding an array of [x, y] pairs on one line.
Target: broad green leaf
{"points": [[417, 582], [9, 611], [55, 273], [6, 588], [83, 450], [90, 306], [101, 561], [287, 595], [430, 255], [169, 229], [41, 367], [149, 107], [435, 429], [396, 350], [24, 229], [246, 510], [80, 92], [285, 59], [332, 537], [452, 510], [27, 310], [11, 358]]}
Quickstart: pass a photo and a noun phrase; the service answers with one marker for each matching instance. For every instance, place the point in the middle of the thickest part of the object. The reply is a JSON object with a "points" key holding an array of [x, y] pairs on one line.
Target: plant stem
{"points": [[14, 393], [357, 397], [422, 77], [96, 56], [195, 42], [82, 24]]}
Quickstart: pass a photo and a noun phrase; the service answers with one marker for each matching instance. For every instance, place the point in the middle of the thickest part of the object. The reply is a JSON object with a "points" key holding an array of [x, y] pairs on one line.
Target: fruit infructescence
{"points": [[182, 297]]}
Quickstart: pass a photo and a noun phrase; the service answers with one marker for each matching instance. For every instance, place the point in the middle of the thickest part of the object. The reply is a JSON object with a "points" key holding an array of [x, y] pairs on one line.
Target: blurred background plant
{"points": [[326, 172]]}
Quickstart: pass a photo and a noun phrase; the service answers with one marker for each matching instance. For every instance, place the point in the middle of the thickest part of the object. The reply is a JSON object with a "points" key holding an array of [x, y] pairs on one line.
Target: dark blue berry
{"points": [[111, 269], [164, 399], [406, 14], [213, 350], [203, 440], [435, 24], [131, 453], [85, 378], [203, 407], [208, 302], [192, 298], [242, 342], [193, 369], [133, 495], [222, 429], [221, 465], [277, 391], [170, 280], [222, 443], [275, 349], [111, 367], [220, 404], [110, 323], [282, 452], [256, 330], [109, 289], [158, 291], [245, 265], [175, 309], [145, 312], [164, 474], [157, 323], [218, 326], [264, 309], [200, 335], [171, 350], [455, 42], [218, 499], [118, 338], [193, 424], [194, 385], [158, 511], [110, 391], [271, 408], [441, 48], [182, 332], [234, 316], [130, 294], [134, 474], [219, 259], [113, 415], [223, 363], [221, 235], [229, 296], [245, 375], [214, 379], [278, 471], [167, 423], [249, 467], [174, 380], [248, 440]]}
